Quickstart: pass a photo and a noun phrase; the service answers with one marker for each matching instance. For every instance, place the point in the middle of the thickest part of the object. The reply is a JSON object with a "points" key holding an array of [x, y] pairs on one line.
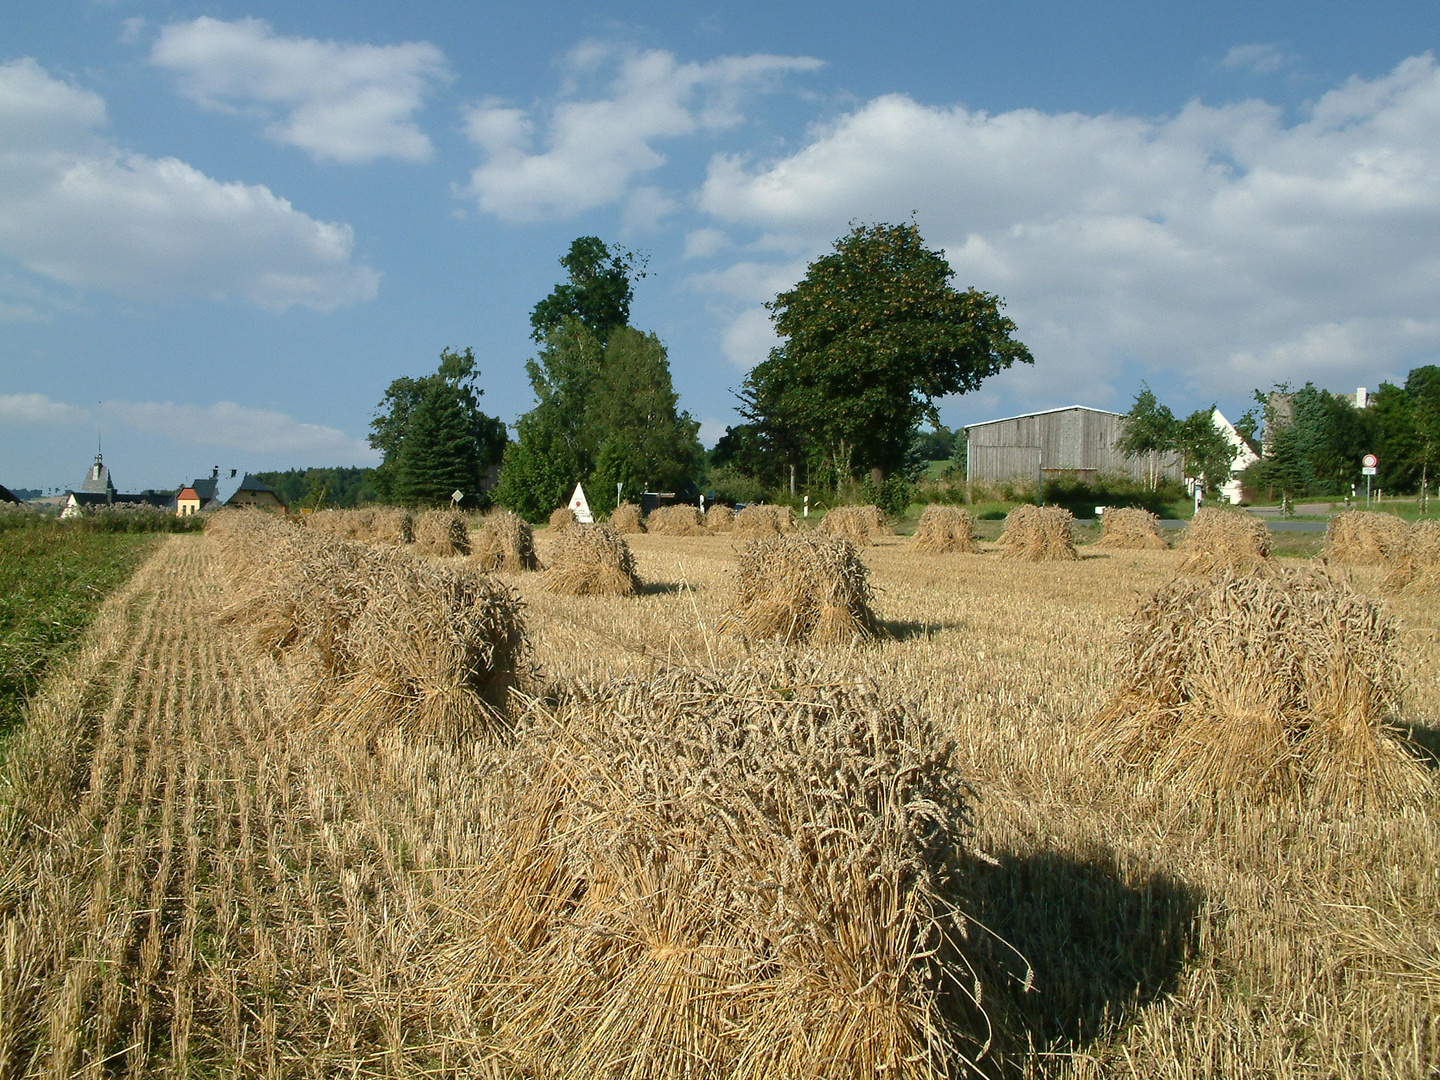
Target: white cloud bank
{"points": [[235, 427], [338, 101], [40, 410], [1223, 244], [79, 210], [594, 149], [224, 425]]}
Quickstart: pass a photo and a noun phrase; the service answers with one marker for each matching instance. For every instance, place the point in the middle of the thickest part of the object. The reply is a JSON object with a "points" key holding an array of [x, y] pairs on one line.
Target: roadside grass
{"points": [[52, 578]]}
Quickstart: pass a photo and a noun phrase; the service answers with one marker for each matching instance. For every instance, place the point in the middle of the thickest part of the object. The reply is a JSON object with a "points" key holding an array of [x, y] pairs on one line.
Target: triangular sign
{"points": [[581, 507]]}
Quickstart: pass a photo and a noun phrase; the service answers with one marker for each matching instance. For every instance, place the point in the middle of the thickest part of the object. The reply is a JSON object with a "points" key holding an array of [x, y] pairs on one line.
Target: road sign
{"points": [[1368, 470], [1370, 461]]}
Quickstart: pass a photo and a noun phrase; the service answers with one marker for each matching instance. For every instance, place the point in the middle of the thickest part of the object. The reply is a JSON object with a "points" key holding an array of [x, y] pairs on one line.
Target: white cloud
{"points": [[702, 243], [235, 427], [1223, 245], [337, 101], [593, 149], [80, 210], [39, 409], [1257, 58]]}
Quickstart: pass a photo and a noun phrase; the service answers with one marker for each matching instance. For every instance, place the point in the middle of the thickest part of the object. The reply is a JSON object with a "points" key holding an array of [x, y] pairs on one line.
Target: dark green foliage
{"points": [[892, 495], [1149, 431], [540, 466], [434, 438], [53, 575], [606, 412], [598, 291], [1205, 453], [937, 444], [1314, 441], [337, 487], [872, 336]]}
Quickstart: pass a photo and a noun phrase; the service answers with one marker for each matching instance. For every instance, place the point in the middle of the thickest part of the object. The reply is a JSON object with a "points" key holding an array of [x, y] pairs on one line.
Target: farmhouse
{"points": [[214, 491], [1074, 440]]}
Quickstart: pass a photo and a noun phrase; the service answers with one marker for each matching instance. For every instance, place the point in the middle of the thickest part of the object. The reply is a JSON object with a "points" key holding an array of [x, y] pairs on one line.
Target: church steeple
{"points": [[97, 479]]}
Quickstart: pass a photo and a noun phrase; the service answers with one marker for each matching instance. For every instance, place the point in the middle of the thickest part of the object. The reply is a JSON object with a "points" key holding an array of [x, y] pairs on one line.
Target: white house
{"points": [[1243, 459]]}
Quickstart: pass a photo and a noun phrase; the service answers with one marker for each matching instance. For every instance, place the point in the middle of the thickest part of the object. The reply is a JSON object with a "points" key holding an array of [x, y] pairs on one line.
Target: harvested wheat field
{"points": [[688, 854]]}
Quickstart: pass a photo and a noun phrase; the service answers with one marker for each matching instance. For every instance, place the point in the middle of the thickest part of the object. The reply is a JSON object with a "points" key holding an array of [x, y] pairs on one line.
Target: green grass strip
{"points": [[52, 580]]}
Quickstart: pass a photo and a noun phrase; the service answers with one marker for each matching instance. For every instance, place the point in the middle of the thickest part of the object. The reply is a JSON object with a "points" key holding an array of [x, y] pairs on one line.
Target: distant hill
{"points": [[335, 487]]}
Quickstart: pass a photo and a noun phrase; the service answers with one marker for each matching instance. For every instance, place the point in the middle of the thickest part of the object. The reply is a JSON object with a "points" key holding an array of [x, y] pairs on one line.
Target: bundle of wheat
{"points": [[719, 518], [562, 518], [1268, 684], [348, 524], [1364, 538], [505, 542], [755, 874], [679, 519], [764, 519], [1226, 540], [1039, 534], [1129, 528], [801, 588], [432, 652], [591, 560], [855, 523], [380, 640], [391, 525], [441, 532], [945, 529], [626, 519], [1414, 567]]}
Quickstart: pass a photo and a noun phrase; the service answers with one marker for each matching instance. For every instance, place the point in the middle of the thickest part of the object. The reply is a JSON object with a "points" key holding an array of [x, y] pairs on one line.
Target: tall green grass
{"points": [[52, 578]]}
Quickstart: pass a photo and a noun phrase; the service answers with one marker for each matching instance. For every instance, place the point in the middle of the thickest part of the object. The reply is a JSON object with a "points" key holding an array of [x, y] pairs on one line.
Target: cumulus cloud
{"points": [[235, 427], [80, 210], [591, 150], [1223, 244], [337, 101], [39, 409]]}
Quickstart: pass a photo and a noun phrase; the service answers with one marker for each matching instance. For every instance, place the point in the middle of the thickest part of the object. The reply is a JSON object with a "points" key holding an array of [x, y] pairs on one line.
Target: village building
{"points": [[1080, 442]]}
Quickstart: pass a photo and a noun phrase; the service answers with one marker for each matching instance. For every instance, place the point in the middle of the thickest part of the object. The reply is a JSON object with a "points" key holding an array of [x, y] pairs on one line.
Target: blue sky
{"points": [[225, 227]]}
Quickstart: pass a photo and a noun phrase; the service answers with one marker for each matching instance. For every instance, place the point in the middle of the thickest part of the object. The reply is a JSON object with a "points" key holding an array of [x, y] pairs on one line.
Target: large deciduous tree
{"points": [[605, 412], [433, 436], [871, 336], [1149, 429]]}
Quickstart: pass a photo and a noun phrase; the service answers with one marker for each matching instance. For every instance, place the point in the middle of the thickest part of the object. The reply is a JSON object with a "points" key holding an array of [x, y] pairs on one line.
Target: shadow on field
{"points": [[1424, 739], [902, 630], [1101, 949], [665, 588]]}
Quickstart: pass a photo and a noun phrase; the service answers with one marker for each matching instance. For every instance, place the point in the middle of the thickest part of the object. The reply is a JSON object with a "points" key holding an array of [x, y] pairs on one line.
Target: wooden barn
{"points": [[1072, 441]]}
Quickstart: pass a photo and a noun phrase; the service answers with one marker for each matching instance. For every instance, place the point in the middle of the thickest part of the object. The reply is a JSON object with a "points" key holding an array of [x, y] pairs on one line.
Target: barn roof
{"points": [[1044, 412]]}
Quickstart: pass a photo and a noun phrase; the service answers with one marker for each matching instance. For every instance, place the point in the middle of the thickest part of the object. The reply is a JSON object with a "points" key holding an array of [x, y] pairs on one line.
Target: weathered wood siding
{"points": [[1076, 440]]}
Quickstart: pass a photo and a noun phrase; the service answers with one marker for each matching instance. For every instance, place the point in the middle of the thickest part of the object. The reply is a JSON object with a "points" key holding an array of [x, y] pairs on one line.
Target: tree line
{"points": [[871, 337], [1314, 440]]}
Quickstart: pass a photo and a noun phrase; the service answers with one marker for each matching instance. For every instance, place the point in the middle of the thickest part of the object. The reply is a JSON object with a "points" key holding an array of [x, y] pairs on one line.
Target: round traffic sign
{"points": [[1370, 461]]}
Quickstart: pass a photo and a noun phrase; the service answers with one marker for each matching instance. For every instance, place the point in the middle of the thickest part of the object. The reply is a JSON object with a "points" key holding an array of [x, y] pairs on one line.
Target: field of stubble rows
{"points": [[194, 881]]}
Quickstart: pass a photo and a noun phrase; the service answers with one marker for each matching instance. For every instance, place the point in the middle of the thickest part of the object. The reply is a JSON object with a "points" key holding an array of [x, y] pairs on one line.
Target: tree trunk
{"points": [[877, 477]]}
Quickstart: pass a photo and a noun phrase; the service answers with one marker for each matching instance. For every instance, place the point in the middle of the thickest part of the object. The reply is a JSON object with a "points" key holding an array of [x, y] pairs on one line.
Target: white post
{"points": [[807, 506]]}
